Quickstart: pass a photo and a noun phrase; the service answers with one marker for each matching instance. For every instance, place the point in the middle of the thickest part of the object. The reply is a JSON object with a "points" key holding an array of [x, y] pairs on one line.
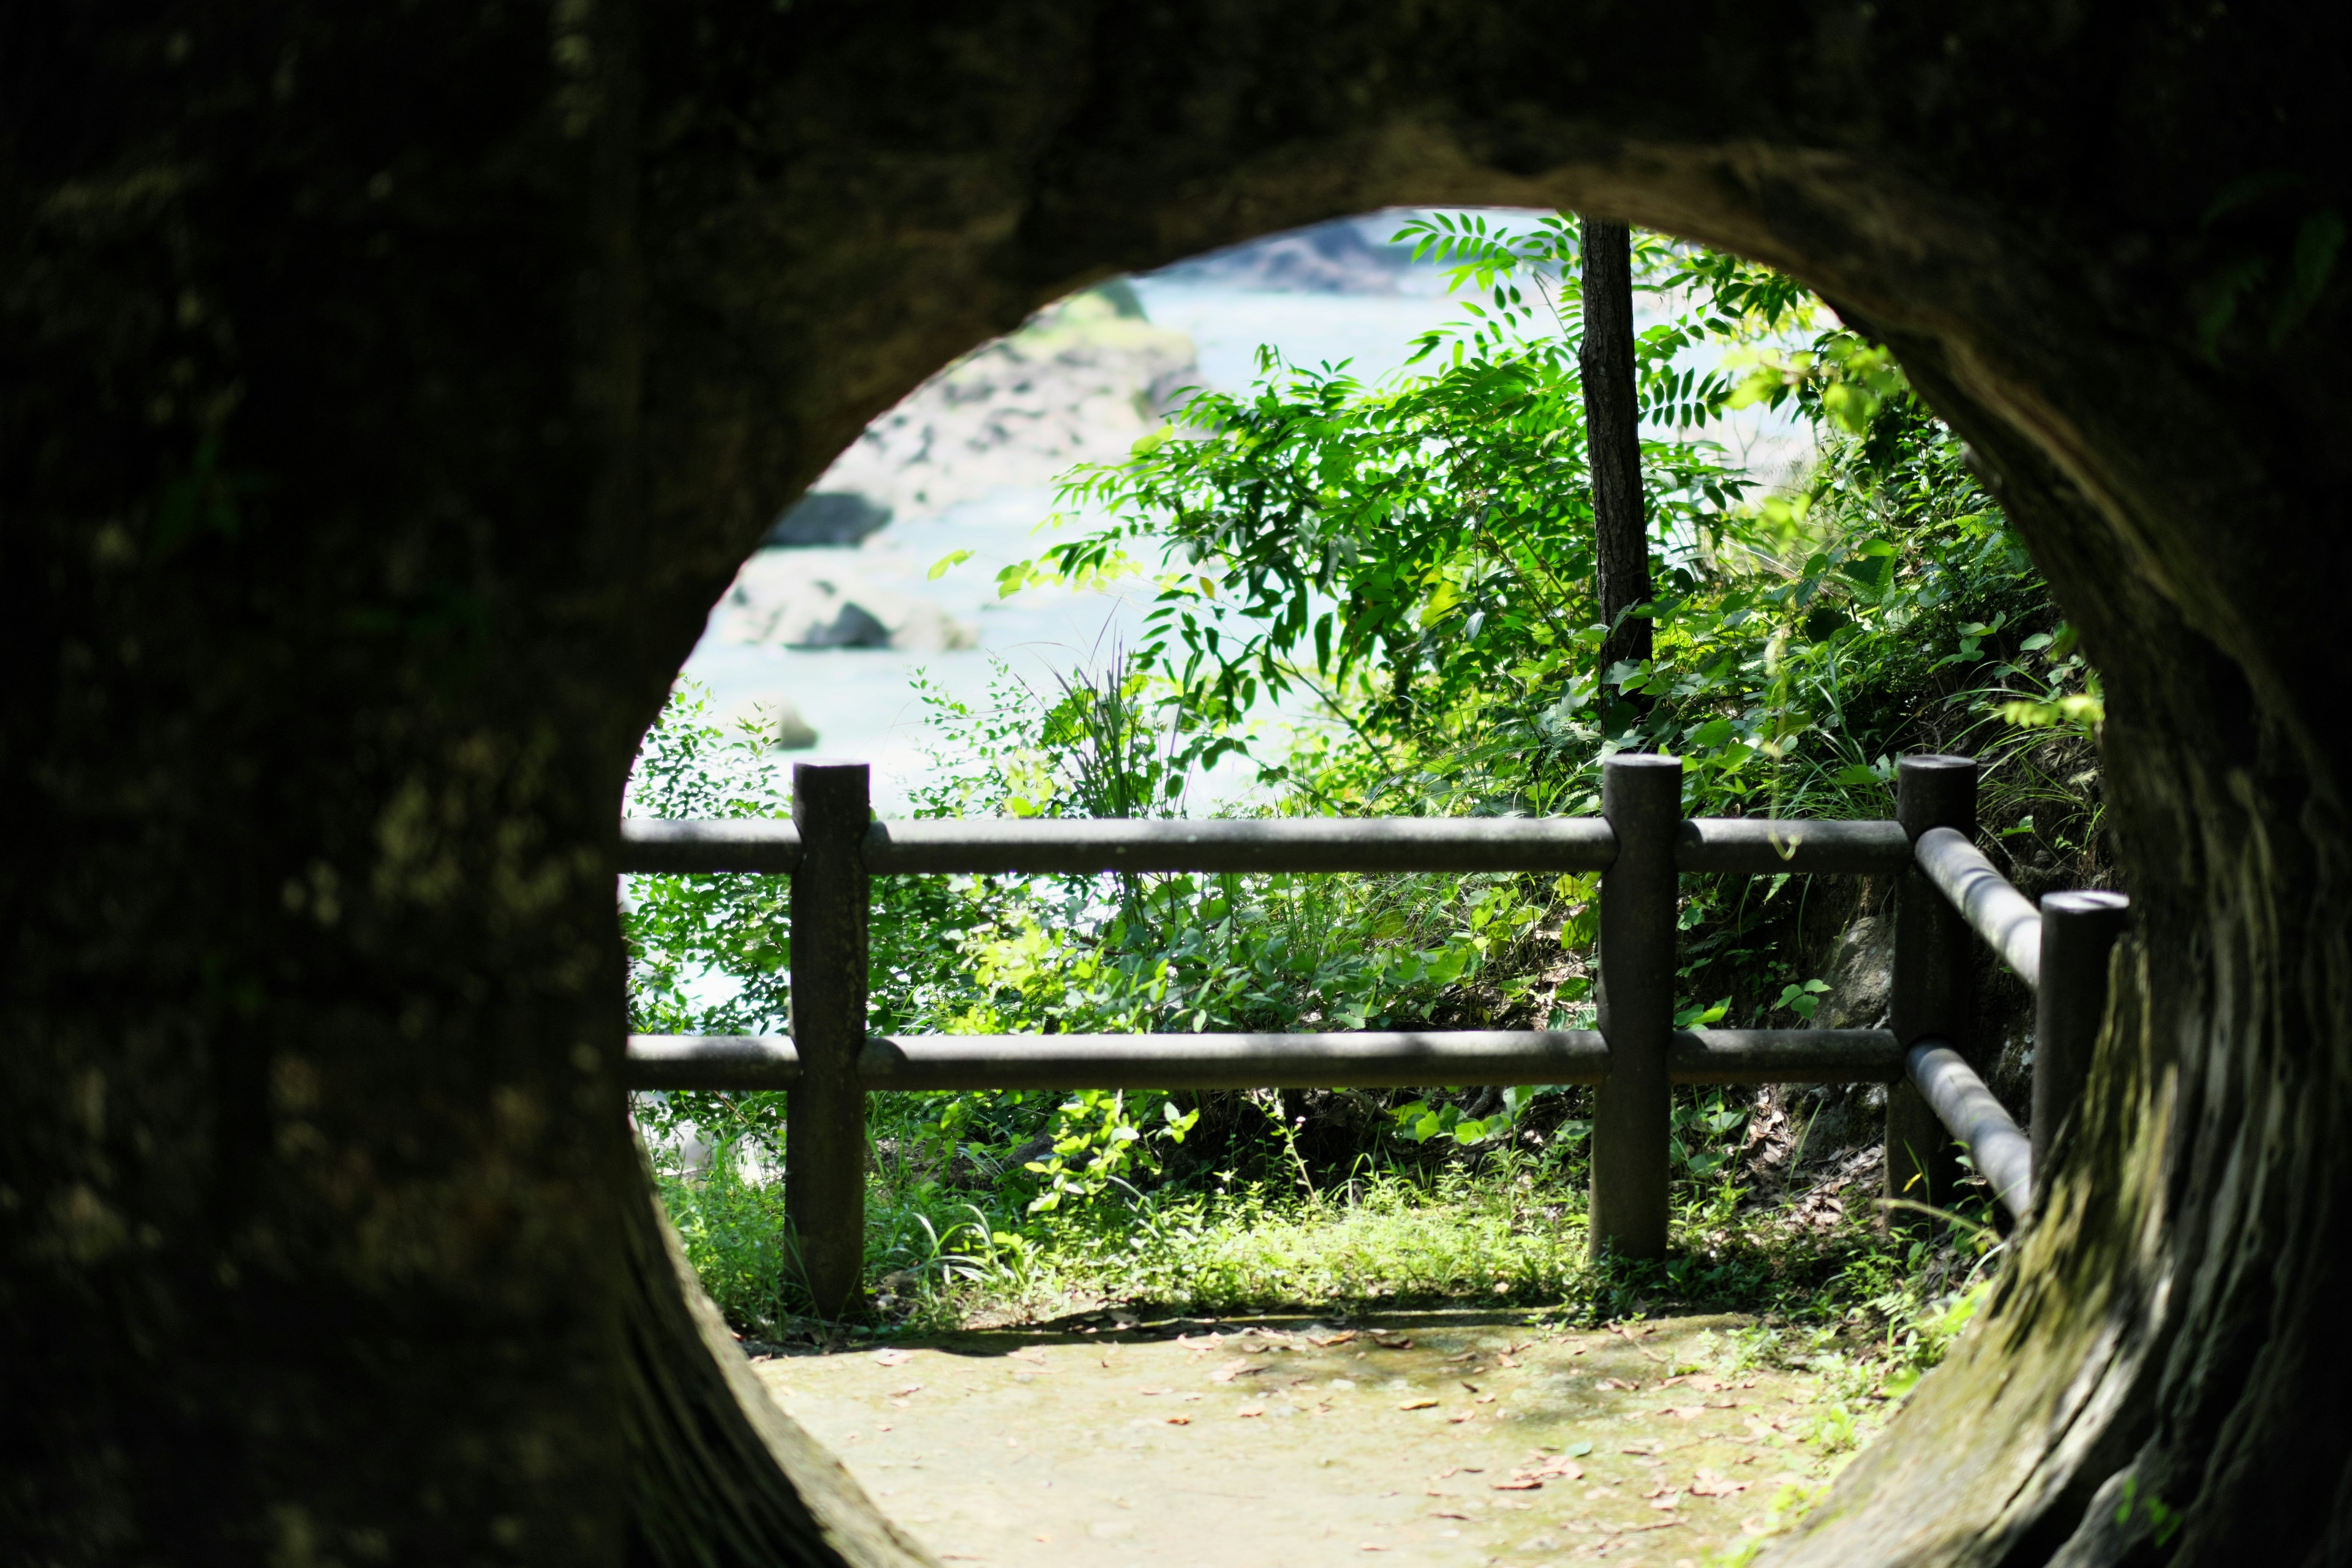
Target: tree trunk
{"points": [[386, 394], [1612, 441]]}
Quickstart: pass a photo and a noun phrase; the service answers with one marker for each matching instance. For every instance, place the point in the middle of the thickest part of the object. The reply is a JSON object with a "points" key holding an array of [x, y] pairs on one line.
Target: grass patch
{"points": [[1508, 1232]]}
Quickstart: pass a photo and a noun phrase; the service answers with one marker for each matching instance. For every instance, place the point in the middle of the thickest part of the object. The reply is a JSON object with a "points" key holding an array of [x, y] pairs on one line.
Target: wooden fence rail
{"points": [[1947, 892]]}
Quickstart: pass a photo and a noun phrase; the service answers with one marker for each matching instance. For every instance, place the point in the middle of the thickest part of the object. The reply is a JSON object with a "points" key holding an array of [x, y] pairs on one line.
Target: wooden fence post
{"points": [[824, 1131], [1641, 797], [2078, 931], [1933, 968]]}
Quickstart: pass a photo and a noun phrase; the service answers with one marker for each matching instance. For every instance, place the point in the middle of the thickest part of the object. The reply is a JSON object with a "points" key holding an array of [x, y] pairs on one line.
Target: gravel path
{"points": [[1441, 1438]]}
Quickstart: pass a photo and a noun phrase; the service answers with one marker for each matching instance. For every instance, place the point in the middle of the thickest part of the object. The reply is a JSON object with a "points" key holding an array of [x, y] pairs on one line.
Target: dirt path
{"points": [[1443, 1438]]}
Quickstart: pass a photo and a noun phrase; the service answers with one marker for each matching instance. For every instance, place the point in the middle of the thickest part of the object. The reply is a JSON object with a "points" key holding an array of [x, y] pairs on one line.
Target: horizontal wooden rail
{"points": [[1763, 847], [1751, 845], [727, 844], [1783, 1056], [1998, 912], [2001, 1151], [1354, 1060], [1284, 844], [1361, 1060], [1945, 888]]}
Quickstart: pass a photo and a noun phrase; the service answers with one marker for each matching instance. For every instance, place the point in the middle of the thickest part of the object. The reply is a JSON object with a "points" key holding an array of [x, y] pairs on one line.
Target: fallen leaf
{"points": [[893, 1357], [1669, 1501], [1180, 1420], [1684, 1412], [1447, 1514], [1418, 1405], [1717, 1489], [1485, 1399], [1517, 1484], [1248, 1410], [1031, 1354], [1327, 1341], [1371, 1546], [1608, 1383], [903, 1393], [1154, 1393], [1393, 1342]]}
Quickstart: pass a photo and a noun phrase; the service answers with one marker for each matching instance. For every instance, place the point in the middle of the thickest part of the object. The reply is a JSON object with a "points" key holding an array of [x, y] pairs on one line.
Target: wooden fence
{"points": [[832, 847]]}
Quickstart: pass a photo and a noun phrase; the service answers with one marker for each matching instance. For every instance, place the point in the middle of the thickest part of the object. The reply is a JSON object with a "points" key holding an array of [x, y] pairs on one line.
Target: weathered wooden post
{"points": [[2078, 933], [1933, 968], [825, 1124], [1641, 797]]}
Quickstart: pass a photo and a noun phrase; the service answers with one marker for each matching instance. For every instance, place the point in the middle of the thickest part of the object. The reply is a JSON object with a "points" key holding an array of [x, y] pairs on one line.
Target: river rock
{"points": [[797, 599], [793, 734], [827, 518]]}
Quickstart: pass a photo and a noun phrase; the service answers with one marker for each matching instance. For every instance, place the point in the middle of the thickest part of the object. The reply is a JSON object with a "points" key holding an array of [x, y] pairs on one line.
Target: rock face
{"points": [[1347, 256], [827, 518], [800, 599], [1079, 382]]}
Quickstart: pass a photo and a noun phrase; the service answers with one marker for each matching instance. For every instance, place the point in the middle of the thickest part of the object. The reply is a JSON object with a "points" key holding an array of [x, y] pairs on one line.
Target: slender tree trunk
{"points": [[1612, 441]]}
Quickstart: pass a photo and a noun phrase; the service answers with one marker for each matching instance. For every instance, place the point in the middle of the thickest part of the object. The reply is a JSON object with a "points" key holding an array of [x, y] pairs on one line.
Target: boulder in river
{"points": [[797, 599], [826, 517]]}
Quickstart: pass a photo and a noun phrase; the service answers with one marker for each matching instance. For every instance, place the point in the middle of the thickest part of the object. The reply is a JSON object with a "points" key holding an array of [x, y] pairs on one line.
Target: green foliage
{"points": [[1415, 554], [1418, 554]]}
